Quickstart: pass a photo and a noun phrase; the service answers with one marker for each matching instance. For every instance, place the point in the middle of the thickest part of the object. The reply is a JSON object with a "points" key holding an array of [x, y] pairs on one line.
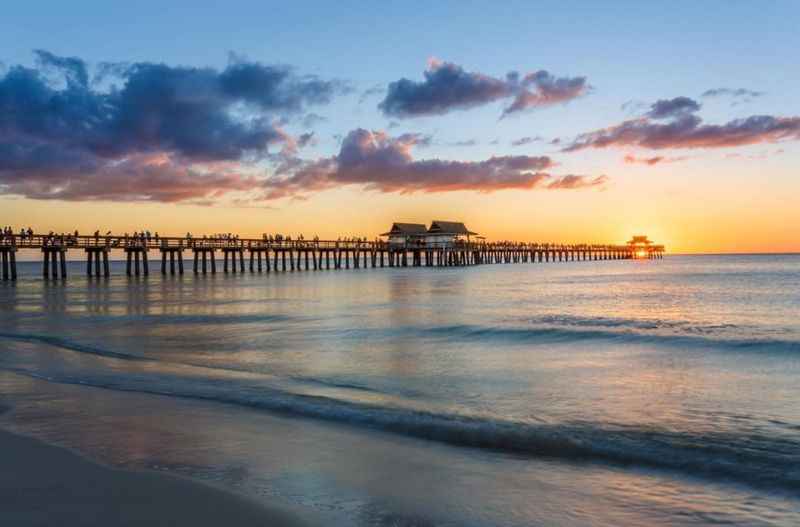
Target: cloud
{"points": [[48, 172], [572, 182], [522, 141], [448, 87], [632, 106], [372, 91], [543, 89], [632, 159], [382, 163], [66, 130], [465, 142], [312, 119], [669, 108], [684, 129], [732, 92], [306, 139]]}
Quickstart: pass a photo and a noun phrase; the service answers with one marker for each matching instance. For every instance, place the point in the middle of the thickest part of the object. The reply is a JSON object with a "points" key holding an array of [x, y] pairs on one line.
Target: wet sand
{"points": [[45, 485]]}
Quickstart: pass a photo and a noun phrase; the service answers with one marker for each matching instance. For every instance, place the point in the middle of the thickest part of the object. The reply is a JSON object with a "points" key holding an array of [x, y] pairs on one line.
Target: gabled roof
{"points": [[449, 227], [407, 229], [639, 239]]}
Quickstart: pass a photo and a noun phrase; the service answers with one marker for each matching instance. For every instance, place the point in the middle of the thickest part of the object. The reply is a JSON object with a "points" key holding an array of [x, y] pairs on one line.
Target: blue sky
{"points": [[636, 52]]}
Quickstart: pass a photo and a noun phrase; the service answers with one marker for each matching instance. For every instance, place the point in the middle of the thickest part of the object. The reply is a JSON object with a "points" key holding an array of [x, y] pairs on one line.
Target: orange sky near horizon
{"points": [[746, 217]]}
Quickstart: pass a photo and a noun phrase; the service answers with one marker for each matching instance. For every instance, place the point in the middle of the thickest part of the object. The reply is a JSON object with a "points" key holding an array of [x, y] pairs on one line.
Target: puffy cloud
{"points": [[51, 172], [684, 129], [53, 119], [379, 162], [669, 108], [543, 89], [448, 87]]}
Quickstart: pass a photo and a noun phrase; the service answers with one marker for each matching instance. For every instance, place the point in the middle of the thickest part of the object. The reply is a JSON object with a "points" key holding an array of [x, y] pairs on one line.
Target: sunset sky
{"points": [[546, 121]]}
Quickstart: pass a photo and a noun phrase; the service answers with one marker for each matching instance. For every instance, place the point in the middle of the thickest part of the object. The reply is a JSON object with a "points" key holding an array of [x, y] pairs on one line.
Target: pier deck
{"points": [[295, 255]]}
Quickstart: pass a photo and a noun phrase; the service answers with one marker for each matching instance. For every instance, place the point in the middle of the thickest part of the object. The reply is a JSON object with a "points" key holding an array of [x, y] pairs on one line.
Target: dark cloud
{"points": [[522, 141], [669, 108], [306, 139], [46, 171], [74, 69], [383, 163], [543, 89], [191, 116], [684, 129], [732, 92], [448, 87]]}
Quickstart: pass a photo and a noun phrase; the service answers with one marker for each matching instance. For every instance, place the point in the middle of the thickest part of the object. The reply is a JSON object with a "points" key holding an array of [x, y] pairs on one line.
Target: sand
{"points": [[42, 485]]}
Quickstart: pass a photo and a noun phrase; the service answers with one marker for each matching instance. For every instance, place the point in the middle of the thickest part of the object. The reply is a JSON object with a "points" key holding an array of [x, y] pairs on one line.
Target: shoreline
{"points": [[43, 484]]}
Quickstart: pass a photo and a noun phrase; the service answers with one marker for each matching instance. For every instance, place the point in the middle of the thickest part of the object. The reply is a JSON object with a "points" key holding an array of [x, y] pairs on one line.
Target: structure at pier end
{"points": [[642, 247]]}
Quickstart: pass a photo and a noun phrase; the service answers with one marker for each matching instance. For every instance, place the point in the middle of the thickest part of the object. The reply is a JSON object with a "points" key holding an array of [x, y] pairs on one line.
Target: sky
{"points": [[548, 121]]}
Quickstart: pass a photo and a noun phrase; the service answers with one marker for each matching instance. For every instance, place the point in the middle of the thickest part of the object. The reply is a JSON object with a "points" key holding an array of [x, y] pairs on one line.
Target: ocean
{"points": [[600, 393]]}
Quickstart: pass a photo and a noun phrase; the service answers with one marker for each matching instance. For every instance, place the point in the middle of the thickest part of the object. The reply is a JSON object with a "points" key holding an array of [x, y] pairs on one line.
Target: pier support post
{"points": [[12, 256]]}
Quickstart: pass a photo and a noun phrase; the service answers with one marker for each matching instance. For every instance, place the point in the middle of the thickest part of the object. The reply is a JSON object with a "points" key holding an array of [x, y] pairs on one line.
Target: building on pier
{"points": [[406, 234], [640, 246], [447, 233]]}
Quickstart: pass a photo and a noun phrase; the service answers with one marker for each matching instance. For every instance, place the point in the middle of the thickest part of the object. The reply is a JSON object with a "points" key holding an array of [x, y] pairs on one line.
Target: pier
{"points": [[258, 255]]}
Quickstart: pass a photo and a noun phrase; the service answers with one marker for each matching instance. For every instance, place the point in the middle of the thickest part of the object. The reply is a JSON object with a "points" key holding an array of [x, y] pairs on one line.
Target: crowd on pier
{"points": [[147, 238]]}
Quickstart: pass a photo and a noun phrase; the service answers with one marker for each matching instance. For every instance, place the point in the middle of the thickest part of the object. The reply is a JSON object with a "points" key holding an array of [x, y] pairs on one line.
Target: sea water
{"points": [[582, 393]]}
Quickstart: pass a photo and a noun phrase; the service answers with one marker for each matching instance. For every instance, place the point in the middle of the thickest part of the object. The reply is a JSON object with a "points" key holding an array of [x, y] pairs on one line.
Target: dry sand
{"points": [[43, 485]]}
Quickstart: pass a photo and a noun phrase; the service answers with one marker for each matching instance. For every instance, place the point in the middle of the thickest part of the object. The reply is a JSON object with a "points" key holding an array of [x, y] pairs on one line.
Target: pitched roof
{"points": [[449, 227], [639, 239], [406, 228]]}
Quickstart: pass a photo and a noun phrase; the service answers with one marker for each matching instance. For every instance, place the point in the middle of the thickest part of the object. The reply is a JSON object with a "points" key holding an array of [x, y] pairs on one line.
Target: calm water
{"points": [[585, 393]]}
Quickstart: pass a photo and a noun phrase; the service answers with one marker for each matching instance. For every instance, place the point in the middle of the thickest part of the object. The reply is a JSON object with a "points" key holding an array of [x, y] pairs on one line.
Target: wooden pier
{"points": [[265, 256]]}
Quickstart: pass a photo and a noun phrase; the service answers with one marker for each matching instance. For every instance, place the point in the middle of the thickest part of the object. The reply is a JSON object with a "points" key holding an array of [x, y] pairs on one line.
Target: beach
{"points": [[44, 485]]}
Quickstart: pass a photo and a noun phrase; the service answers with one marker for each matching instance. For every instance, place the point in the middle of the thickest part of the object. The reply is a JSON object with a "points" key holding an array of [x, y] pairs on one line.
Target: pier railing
{"points": [[273, 254], [71, 241]]}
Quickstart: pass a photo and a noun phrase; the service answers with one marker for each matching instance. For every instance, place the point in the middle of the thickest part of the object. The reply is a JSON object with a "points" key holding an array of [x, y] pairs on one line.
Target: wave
{"points": [[70, 345], [624, 334], [747, 458]]}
